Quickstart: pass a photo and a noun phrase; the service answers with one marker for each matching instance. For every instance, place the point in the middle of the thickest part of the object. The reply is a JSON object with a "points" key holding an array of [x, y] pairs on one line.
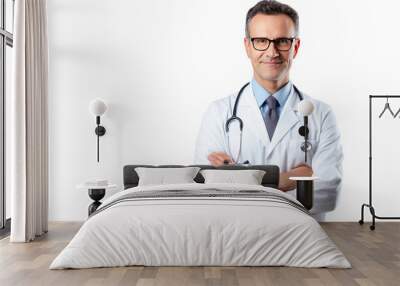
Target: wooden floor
{"points": [[375, 257]]}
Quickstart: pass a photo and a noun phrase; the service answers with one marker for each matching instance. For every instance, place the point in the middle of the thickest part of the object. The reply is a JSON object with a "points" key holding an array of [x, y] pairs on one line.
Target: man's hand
{"points": [[302, 170], [219, 158]]}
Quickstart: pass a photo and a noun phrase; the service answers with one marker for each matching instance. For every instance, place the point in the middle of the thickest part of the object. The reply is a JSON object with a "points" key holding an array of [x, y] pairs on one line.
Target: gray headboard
{"points": [[270, 179]]}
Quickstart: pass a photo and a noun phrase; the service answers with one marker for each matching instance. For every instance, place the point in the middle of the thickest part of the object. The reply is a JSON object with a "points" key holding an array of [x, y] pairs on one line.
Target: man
{"points": [[268, 110]]}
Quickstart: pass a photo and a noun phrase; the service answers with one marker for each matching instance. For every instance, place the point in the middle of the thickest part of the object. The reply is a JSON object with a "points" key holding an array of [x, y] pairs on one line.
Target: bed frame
{"points": [[270, 179]]}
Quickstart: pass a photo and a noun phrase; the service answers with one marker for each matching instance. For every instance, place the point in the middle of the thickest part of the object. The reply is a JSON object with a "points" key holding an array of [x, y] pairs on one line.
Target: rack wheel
{"points": [[372, 227], [361, 222]]}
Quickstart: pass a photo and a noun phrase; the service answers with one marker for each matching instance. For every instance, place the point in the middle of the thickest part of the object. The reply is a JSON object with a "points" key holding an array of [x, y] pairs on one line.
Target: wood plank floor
{"points": [[375, 257]]}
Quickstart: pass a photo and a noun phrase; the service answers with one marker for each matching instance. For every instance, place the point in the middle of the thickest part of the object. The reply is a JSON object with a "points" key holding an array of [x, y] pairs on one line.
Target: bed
{"points": [[201, 224]]}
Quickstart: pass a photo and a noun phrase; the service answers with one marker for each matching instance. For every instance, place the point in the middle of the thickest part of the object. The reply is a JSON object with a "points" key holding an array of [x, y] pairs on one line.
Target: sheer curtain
{"points": [[28, 123]]}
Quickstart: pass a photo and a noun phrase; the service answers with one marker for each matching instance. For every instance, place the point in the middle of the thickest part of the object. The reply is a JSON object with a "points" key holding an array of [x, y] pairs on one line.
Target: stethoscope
{"points": [[303, 131]]}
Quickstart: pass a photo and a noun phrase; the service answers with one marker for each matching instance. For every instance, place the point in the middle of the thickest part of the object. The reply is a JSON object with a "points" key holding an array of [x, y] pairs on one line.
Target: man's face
{"points": [[271, 64]]}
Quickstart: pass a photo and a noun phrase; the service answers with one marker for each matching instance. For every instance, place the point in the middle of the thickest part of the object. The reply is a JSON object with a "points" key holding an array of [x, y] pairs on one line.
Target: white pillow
{"points": [[248, 177], [163, 176]]}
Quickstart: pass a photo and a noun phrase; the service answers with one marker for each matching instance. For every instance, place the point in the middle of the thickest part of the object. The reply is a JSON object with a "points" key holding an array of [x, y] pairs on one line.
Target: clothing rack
{"points": [[370, 205]]}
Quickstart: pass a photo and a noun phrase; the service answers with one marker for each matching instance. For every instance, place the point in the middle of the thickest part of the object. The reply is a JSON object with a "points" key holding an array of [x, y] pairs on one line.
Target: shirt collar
{"points": [[261, 94]]}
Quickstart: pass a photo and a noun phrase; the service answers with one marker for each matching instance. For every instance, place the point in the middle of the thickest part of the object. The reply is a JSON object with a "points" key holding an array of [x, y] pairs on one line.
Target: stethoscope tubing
{"points": [[234, 117]]}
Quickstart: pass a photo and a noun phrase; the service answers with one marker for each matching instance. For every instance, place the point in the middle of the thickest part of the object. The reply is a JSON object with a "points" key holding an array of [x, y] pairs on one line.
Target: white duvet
{"points": [[200, 231]]}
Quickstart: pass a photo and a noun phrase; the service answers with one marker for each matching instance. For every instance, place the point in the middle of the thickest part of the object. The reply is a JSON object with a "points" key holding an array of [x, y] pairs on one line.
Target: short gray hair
{"points": [[272, 7]]}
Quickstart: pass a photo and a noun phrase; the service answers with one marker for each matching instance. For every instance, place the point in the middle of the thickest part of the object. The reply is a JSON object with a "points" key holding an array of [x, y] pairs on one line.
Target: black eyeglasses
{"points": [[281, 44]]}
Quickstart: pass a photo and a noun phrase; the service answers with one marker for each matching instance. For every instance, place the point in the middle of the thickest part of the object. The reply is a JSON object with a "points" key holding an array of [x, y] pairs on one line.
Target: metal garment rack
{"points": [[369, 205]]}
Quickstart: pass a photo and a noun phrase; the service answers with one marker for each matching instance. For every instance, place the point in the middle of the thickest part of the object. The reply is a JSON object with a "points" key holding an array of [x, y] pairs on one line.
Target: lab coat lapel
{"points": [[287, 120], [252, 117]]}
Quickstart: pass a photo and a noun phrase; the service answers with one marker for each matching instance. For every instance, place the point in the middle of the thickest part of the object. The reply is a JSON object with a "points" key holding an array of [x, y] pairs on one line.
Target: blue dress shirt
{"points": [[261, 95]]}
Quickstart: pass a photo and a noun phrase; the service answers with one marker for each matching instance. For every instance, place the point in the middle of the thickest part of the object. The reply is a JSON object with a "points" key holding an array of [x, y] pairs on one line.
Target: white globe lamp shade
{"points": [[97, 107], [305, 107]]}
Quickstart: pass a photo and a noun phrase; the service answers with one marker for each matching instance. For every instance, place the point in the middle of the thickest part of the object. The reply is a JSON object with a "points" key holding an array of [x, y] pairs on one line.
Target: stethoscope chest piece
{"points": [[304, 131], [303, 146]]}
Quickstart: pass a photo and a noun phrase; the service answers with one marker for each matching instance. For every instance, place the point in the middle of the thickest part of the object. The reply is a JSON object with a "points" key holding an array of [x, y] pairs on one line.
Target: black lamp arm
{"points": [[100, 131], [305, 137]]}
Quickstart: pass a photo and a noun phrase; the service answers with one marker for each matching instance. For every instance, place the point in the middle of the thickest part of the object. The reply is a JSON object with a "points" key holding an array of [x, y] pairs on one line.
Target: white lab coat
{"points": [[325, 157]]}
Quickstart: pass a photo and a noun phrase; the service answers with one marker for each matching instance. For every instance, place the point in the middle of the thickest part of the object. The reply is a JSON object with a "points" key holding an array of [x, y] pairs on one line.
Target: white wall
{"points": [[158, 64]]}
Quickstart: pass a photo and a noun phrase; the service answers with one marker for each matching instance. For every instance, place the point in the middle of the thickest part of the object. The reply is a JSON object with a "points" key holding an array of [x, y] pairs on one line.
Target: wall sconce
{"points": [[97, 107]]}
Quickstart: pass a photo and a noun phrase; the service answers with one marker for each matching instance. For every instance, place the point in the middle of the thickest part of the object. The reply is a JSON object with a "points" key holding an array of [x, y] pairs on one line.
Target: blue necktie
{"points": [[272, 117]]}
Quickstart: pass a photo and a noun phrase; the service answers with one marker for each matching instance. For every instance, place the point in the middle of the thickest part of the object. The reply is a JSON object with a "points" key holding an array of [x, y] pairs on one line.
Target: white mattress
{"points": [[200, 231]]}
